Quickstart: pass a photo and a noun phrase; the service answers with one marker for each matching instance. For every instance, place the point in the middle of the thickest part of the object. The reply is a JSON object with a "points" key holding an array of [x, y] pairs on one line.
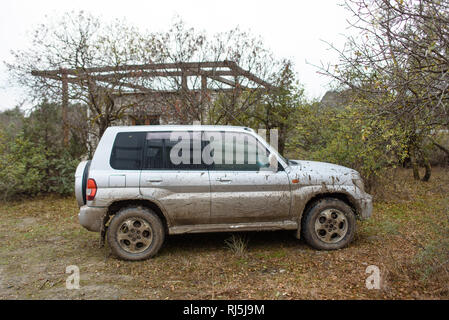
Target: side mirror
{"points": [[273, 160]]}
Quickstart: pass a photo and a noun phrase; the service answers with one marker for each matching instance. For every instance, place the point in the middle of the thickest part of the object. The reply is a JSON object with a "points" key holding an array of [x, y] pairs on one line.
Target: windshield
{"points": [[287, 161]]}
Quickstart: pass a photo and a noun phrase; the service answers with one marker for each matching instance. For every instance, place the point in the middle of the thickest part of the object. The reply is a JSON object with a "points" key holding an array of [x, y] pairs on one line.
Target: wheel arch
{"points": [[346, 198], [118, 205]]}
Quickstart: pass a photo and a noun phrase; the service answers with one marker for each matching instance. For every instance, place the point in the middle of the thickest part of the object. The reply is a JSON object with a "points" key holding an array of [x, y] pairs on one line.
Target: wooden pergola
{"points": [[125, 76]]}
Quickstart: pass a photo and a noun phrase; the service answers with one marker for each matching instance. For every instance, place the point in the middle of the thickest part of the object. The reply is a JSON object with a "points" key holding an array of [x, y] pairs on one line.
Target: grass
{"points": [[407, 238], [237, 244]]}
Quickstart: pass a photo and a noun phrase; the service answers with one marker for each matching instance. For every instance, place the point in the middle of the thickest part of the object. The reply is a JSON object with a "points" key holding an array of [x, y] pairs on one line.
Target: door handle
{"points": [[224, 179], [154, 180]]}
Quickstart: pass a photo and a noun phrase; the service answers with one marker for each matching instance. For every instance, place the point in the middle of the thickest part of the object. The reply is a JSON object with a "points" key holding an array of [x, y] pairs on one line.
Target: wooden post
{"points": [[65, 105], [203, 101], [184, 83], [183, 96], [204, 83]]}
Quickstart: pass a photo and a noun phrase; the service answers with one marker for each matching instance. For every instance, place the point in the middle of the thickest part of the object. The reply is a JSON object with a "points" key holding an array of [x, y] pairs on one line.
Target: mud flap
{"points": [[298, 232], [103, 230]]}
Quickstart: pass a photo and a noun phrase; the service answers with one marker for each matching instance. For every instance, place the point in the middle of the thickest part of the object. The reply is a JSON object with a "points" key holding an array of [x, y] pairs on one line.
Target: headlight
{"points": [[359, 183]]}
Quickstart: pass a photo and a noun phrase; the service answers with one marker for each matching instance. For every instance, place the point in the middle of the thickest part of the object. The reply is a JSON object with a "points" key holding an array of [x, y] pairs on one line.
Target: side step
{"points": [[232, 227]]}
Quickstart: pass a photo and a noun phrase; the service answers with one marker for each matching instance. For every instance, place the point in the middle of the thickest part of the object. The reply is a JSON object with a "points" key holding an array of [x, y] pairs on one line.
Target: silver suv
{"points": [[145, 182]]}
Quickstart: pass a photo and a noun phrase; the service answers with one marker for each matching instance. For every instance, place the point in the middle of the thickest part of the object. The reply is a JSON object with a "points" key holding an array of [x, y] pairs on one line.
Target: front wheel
{"points": [[329, 224], [135, 233]]}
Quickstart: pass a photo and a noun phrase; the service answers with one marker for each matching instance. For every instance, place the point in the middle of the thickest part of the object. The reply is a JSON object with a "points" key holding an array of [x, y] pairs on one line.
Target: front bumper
{"points": [[91, 218]]}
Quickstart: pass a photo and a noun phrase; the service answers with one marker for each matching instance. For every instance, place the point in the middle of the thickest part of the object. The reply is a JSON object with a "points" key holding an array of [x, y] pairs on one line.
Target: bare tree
{"points": [[82, 44], [210, 98], [398, 66], [275, 110]]}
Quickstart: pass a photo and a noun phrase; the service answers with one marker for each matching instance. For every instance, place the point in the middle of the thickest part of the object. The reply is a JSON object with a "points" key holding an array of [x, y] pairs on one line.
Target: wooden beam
{"points": [[176, 92], [138, 67], [252, 77], [141, 74], [115, 74], [132, 86], [223, 80]]}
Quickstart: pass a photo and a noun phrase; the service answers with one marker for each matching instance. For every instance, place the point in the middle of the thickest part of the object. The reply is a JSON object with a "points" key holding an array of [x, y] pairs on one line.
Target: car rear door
{"points": [[182, 189]]}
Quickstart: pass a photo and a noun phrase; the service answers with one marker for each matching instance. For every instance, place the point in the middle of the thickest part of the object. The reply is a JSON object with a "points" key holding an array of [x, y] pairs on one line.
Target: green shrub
{"points": [[348, 138], [33, 156], [22, 168], [28, 168], [63, 178]]}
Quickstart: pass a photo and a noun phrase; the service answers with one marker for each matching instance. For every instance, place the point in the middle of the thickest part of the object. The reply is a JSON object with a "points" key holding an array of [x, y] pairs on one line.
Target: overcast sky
{"points": [[290, 28]]}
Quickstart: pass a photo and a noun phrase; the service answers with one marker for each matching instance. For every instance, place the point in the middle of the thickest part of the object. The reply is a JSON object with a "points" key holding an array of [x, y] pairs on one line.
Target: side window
{"points": [[127, 151], [173, 151], [234, 151]]}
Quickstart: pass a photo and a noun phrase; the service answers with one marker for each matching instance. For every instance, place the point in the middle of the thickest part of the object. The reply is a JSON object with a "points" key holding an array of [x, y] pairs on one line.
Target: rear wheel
{"points": [[135, 233], [329, 224]]}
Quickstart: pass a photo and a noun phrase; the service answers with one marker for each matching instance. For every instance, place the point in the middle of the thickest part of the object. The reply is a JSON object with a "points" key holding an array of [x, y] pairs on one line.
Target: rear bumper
{"points": [[91, 218]]}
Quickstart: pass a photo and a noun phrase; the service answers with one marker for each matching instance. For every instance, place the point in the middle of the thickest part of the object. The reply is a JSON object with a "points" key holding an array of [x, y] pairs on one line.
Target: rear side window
{"points": [[127, 152], [159, 155]]}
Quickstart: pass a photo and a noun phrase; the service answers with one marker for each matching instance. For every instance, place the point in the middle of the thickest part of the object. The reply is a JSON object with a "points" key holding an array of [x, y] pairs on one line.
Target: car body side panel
{"points": [[247, 196], [184, 195]]}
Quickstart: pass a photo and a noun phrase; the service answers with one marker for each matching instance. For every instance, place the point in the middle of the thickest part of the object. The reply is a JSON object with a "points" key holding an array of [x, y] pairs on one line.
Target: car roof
{"points": [[179, 128]]}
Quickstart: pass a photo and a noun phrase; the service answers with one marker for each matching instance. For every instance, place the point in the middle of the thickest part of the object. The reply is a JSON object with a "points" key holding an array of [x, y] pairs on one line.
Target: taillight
{"points": [[91, 189]]}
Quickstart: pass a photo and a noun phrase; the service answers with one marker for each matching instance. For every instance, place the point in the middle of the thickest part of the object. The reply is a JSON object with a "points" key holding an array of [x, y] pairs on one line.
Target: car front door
{"points": [[243, 188]]}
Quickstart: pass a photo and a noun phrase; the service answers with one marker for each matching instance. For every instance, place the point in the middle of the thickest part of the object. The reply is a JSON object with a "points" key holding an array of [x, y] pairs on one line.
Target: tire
{"points": [[329, 224], [135, 233]]}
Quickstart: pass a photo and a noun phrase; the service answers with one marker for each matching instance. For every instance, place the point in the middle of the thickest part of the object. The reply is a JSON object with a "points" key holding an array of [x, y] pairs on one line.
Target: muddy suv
{"points": [[146, 182]]}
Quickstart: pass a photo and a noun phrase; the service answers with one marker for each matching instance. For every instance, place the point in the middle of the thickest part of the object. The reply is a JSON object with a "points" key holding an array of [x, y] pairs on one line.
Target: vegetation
{"points": [[345, 136], [397, 70], [237, 244], [33, 159]]}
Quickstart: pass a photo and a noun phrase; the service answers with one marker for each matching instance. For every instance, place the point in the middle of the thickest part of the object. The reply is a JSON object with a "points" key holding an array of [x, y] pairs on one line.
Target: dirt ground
{"points": [[407, 239]]}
